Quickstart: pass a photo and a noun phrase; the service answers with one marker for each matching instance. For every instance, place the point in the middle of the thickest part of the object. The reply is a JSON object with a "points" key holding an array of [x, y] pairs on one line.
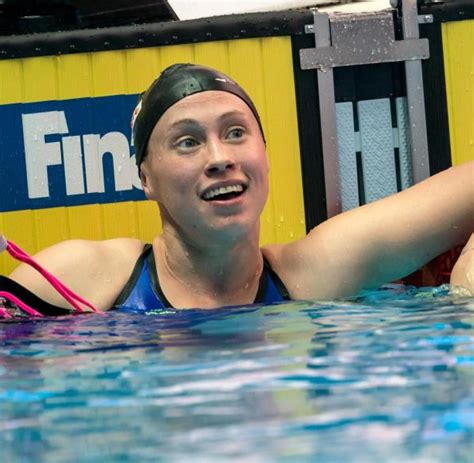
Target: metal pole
{"points": [[415, 97], [327, 110]]}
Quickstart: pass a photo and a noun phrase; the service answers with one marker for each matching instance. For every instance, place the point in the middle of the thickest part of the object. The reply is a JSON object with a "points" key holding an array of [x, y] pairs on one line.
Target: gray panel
{"points": [[404, 142], [377, 148], [347, 155]]}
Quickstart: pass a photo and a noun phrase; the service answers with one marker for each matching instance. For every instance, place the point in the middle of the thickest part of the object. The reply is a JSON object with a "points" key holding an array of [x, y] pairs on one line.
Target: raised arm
{"points": [[382, 241]]}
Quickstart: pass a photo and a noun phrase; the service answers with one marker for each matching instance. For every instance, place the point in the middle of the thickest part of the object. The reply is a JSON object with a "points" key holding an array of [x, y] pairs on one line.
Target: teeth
{"points": [[223, 190]]}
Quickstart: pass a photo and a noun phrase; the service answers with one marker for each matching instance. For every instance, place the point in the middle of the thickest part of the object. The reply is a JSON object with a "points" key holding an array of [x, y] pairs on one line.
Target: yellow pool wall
{"points": [[262, 66]]}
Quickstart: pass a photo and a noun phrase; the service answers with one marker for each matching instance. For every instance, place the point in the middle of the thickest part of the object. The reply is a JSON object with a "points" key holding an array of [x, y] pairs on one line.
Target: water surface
{"points": [[387, 377]]}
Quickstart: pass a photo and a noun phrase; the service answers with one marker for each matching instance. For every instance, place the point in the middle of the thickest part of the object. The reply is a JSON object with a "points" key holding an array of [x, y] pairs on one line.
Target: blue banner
{"points": [[67, 153]]}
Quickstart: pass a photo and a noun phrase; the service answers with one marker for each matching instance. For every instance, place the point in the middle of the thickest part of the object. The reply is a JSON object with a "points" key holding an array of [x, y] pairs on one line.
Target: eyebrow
{"points": [[232, 114], [193, 123], [185, 127], [185, 123]]}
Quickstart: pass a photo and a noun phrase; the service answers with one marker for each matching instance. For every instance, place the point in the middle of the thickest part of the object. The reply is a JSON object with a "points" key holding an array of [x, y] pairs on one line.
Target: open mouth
{"points": [[223, 193]]}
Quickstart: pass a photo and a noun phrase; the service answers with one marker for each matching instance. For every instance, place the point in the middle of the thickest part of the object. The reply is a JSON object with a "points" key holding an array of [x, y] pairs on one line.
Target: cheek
{"points": [[261, 163], [267, 164], [174, 181], [265, 168]]}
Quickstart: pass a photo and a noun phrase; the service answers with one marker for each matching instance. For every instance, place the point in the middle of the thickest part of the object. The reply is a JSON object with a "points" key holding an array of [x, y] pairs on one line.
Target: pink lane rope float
{"points": [[19, 254]]}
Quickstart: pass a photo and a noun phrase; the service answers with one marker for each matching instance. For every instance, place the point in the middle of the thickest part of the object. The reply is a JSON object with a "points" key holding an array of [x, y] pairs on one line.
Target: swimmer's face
{"points": [[206, 166]]}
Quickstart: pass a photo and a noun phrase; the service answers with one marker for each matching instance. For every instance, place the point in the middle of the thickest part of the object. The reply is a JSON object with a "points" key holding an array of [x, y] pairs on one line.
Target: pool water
{"points": [[386, 377]]}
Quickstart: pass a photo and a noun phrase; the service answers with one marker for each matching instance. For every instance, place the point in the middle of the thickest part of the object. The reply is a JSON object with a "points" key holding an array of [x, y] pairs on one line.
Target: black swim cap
{"points": [[175, 83]]}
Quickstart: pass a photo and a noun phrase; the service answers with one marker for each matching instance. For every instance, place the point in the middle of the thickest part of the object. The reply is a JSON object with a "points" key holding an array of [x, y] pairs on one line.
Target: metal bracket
{"points": [[425, 19], [363, 39], [422, 19], [348, 40]]}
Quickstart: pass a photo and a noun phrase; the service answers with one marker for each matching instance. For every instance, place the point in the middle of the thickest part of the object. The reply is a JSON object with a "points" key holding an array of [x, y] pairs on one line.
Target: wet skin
{"points": [[208, 255], [210, 241], [203, 142]]}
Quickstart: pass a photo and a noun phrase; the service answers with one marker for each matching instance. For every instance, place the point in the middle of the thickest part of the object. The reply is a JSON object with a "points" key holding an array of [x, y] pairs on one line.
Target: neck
{"points": [[220, 272]]}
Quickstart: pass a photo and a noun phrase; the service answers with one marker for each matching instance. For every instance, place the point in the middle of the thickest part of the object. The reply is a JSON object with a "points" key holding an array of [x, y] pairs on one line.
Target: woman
{"points": [[201, 157]]}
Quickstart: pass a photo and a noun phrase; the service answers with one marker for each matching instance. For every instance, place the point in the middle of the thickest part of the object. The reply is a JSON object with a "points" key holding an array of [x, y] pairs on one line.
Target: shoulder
{"points": [[97, 270], [290, 263], [74, 253], [318, 266]]}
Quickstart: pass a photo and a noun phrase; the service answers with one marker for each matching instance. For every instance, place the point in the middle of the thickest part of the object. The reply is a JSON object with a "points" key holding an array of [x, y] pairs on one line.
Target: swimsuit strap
{"points": [[134, 277], [270, 286], [143, 289], [155, 281]]}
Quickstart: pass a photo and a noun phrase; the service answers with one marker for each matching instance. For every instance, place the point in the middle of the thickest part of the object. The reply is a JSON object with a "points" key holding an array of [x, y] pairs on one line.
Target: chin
{"points": [[234, 229]]}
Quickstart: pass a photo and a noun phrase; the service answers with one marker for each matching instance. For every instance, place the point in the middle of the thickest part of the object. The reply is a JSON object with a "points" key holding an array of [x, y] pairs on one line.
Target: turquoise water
{"points": [[387, 377]]}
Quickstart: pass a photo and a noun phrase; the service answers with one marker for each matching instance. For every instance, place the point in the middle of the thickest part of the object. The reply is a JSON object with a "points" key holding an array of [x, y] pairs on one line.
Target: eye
{"points": [[235, 133], [187, 143]]}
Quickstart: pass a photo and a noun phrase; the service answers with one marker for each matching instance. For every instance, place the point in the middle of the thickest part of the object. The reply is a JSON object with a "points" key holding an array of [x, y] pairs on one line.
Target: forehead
{"points": [[204, 106]]}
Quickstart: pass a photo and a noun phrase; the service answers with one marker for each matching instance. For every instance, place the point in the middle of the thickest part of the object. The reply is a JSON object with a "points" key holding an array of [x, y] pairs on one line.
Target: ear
{"points": [[147, 185]]}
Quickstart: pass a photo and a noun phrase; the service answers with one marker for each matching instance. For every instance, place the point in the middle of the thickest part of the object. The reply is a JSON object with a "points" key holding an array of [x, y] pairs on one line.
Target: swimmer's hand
{"points": [[462, 275]]}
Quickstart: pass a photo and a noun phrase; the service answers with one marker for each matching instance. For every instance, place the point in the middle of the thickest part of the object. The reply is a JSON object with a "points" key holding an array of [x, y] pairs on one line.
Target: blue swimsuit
{"points": [[143, 292]]}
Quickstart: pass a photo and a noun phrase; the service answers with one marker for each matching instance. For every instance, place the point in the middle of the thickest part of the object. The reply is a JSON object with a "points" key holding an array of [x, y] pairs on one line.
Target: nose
{"points": [[220, 159]]}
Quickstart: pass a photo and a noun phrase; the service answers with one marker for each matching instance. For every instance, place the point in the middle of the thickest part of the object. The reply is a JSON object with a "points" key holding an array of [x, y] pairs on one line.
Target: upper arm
{"points": [[96, 270], [381, 241]]}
